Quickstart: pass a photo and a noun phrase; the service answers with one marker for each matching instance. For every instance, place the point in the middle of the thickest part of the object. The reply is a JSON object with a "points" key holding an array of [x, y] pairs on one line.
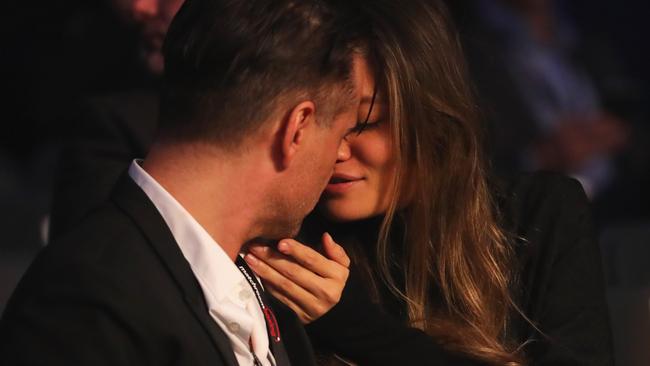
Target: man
{"points": [[257, 97]]}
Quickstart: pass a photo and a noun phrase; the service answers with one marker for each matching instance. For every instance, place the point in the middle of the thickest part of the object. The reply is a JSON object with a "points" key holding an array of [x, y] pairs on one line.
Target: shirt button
{"points": [[244, 295], [234, 327]]}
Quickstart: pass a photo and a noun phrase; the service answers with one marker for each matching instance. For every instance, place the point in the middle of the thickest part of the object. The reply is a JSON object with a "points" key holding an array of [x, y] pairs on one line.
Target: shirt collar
{"points": [[215, 271]]}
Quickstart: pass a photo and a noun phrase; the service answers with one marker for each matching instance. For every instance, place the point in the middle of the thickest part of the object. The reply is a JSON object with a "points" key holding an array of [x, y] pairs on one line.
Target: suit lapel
{"points": [[135, 203]]}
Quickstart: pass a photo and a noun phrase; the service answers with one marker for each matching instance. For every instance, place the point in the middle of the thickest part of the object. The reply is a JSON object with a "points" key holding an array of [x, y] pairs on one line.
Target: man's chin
{"points": [[290, 232], [278, 231]]}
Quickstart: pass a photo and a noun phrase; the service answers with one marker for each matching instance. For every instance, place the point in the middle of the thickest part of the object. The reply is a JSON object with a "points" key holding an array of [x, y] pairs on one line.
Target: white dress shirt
{"points": [[229, 297]]}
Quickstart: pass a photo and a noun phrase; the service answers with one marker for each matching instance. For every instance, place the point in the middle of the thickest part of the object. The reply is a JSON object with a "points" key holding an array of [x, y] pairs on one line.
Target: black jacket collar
{"points": [[128, 196]]}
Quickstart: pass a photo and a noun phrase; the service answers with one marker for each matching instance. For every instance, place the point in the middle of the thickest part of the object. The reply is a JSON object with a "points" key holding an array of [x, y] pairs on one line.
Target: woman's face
{"points": [[364, 172]]}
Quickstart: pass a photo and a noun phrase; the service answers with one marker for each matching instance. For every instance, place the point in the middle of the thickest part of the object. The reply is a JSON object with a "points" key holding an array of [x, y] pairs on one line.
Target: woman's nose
{"points": [[344, 151]]}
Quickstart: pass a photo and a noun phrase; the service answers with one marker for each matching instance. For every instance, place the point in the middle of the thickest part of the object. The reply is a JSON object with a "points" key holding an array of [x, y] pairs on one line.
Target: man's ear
{"points": [[295, 128]]}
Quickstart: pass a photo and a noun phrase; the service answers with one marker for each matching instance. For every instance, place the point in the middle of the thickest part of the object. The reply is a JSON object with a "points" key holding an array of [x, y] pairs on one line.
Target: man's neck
{"points": [[217, 192]]}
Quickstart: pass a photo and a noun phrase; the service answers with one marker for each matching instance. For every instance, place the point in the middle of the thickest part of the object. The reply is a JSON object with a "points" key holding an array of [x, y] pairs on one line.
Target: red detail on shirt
{"points": [[274, 330]]}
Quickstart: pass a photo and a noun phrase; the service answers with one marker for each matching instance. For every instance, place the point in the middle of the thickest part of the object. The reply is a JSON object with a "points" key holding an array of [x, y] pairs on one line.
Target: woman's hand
{"points": [[303, 279]]}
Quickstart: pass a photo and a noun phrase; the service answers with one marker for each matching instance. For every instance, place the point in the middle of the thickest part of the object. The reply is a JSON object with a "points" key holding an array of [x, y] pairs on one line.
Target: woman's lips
{"points": [[340, 183]]}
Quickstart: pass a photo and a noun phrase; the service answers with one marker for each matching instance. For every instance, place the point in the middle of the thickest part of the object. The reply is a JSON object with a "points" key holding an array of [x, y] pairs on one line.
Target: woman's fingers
{"points": [[289, 292], [335, 265], [304, 318], [334, 251], [303, 314], [290, 270], [301, 277]]}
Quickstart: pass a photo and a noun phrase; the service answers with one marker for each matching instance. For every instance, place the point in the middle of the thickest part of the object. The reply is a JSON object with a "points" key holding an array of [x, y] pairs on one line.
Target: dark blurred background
{"points": [[563, 85]]}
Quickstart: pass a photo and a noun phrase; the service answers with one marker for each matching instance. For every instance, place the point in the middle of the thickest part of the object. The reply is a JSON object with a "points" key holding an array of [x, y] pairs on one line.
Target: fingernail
{"points": [[329, 237], [258, 249], [283, 246], [250, 259]]}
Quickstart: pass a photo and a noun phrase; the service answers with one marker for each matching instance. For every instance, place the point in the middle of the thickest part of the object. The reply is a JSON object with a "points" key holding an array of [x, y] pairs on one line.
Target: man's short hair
{"points": [[229, 64]]}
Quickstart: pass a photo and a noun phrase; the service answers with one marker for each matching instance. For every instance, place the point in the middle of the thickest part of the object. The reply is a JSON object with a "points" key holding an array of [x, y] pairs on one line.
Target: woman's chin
{"points": [[342, 212]]}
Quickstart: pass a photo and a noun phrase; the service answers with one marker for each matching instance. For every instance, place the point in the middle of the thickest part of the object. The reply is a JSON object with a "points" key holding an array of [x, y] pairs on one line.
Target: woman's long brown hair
{"points": [[454, 248]]}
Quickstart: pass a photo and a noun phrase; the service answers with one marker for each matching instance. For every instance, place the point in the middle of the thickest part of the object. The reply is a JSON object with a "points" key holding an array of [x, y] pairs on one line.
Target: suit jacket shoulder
{"points": [[104, 295], [118, 291]]}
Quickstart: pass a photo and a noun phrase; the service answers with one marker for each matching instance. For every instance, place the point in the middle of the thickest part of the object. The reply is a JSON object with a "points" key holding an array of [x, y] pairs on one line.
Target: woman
{"points": [[447, 268]]}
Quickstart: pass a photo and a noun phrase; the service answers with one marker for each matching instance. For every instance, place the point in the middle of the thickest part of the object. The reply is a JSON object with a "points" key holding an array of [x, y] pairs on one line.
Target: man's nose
{"points": [[143, 9]]}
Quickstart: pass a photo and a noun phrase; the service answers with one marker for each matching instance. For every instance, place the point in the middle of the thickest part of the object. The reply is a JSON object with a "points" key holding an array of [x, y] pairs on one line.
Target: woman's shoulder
{"points": [[560, 284], [540, 201], [548, 218]]}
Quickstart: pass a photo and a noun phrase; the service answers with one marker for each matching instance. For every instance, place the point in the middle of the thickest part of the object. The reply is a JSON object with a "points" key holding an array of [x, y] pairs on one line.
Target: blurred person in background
{"points": [[556, 99], [151, 19], [108, 130], [69, 66]]}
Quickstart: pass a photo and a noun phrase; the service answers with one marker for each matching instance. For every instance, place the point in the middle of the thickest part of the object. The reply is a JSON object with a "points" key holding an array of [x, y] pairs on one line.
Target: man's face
{"points": [[152, 18], [314, 166]]}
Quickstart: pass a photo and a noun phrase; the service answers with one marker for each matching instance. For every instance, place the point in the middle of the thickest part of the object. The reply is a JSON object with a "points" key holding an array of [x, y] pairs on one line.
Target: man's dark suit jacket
{"points": [[118, 291]]}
